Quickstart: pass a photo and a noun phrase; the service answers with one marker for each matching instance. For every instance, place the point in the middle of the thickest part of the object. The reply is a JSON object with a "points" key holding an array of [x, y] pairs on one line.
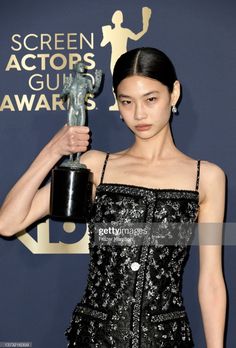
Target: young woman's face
{"points": [[145, 104]]}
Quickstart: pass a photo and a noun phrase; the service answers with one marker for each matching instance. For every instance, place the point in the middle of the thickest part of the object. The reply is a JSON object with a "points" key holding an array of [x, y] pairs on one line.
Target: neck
{"points": [[158, 147]]}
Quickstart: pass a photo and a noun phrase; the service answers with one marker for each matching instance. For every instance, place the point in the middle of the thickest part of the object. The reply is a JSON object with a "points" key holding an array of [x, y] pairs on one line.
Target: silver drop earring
{"points": [[174, 109], [121, 117]]}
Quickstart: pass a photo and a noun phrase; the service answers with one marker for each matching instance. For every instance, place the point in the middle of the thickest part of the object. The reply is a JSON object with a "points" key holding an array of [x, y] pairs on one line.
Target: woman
{"points": [[133, 296]]}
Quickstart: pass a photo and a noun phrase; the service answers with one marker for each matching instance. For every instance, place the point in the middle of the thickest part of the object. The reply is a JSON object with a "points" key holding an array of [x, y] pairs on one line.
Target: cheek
{"points": [[160, 114], [165, 107], [126, 111], [159, 109]]}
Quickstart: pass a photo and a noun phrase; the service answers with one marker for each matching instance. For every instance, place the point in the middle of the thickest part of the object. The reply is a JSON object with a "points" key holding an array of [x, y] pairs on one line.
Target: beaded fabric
{"points": [[133, 295]]}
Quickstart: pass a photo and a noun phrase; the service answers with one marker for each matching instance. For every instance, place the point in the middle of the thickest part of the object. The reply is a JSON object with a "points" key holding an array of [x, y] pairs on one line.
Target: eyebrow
{"points": [[144, 95]]}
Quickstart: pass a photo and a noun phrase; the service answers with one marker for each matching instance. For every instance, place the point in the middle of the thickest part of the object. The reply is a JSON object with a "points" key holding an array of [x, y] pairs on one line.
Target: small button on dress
{"points": [[135, 266]]}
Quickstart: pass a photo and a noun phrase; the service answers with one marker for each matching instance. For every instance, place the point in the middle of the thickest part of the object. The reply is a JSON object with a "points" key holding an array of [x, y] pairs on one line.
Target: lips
{"points": [[143, 127]]}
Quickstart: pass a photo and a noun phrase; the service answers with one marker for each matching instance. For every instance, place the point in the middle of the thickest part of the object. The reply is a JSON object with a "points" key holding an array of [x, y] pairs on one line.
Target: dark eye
{"points": [[125, 102], [152, 99]]}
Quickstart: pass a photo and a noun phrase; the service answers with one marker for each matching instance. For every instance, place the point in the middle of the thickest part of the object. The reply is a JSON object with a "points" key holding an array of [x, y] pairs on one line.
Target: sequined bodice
{"points": [[133, 295]]}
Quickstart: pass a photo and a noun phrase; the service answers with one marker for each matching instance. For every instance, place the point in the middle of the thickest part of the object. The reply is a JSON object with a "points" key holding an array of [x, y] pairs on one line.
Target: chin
{"points": [[146, 136]]}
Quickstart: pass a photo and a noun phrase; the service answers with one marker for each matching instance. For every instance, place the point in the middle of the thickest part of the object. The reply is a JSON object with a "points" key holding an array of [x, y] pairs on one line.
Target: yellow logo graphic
{"points": [[118, 38], [43, 245], [42, 59]]}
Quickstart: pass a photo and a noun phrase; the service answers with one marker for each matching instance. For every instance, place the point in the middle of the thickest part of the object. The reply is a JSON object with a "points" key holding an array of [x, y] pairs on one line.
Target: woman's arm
{"points": [[26, 203], [211, 287]]}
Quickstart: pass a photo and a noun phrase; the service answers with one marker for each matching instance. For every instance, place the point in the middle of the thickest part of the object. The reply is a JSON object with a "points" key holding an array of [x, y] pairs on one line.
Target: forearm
{"points": [[212, 298], [19, 200]]}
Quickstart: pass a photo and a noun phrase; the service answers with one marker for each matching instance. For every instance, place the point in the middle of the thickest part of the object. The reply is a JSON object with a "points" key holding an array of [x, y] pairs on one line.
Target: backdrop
{"points": [[43, 272]]}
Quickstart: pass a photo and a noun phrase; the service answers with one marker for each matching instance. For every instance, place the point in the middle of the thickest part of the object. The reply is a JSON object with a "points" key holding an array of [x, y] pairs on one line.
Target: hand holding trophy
{"points": [[71, 187]]}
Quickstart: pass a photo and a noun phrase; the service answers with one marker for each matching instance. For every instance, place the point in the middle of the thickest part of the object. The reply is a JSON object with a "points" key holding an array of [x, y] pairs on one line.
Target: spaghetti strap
{"points": [[104, 167], [198, 175]]}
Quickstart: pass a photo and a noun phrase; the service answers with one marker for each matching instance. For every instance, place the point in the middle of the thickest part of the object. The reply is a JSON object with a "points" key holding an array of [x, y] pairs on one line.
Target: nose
{"points": [[139, 112]]}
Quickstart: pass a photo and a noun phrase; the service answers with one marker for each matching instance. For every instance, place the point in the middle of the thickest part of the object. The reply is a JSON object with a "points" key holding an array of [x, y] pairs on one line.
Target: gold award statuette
{"points": [[71, 187]]}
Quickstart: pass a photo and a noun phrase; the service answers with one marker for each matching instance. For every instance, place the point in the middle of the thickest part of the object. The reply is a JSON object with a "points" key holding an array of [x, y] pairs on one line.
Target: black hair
{"points": [[147, 62]]}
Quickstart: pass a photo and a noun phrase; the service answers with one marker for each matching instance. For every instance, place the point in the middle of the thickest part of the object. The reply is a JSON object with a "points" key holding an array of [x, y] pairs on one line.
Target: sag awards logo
{"points": [[117, 36], [41, 59]]}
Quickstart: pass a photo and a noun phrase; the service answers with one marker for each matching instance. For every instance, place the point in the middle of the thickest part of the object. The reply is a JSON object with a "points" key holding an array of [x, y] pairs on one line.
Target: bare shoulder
{"points": [[212, 193], [211, 173], [212, 181], [94, 160], [92, 157], [208, 169]]}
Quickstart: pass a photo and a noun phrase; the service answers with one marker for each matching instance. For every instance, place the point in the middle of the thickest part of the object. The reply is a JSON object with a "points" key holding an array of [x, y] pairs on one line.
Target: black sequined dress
{"points": [[133, 294]]}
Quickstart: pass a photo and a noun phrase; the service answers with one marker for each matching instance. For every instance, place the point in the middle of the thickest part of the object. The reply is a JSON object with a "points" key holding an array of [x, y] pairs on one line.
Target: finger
{"points": [[80, 129], [83, 137], [78, 141], [75, 139], [76, 149], [83, 143]]}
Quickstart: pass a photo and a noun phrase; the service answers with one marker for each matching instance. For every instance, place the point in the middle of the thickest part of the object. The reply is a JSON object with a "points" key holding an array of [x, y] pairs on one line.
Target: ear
{"points": [[175, 93]]}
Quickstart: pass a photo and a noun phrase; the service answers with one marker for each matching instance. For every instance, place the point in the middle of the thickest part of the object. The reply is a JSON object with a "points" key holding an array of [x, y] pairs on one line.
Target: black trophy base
{"points": [[71, 192]]}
